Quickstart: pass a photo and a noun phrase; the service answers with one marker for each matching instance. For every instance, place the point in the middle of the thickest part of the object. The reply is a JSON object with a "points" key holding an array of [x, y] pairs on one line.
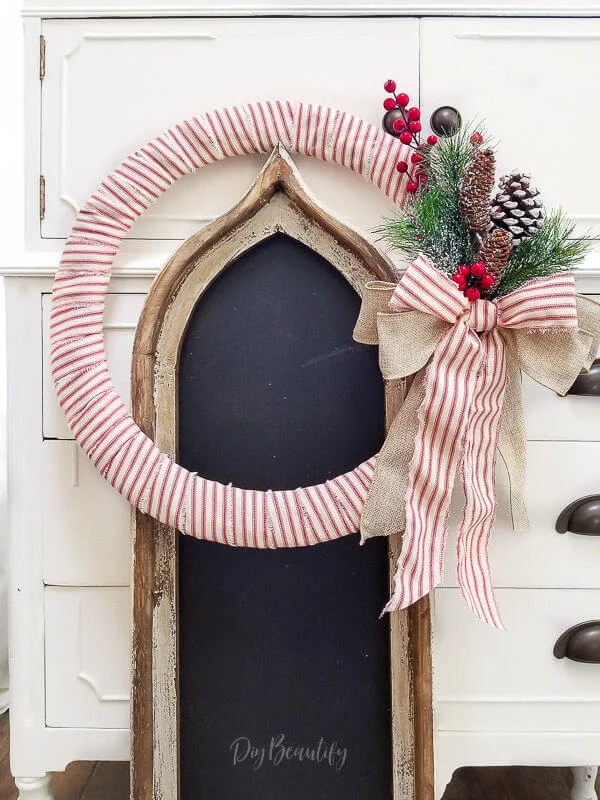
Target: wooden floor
{"points": [[86, 780]]}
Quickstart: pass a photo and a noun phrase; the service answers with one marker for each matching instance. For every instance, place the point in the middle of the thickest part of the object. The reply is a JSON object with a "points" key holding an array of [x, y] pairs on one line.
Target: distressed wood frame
{"points": [[277, 202]]}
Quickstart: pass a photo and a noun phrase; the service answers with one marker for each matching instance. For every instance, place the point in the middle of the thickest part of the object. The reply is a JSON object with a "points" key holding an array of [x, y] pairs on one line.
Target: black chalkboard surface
{"points": [[281, 649]]}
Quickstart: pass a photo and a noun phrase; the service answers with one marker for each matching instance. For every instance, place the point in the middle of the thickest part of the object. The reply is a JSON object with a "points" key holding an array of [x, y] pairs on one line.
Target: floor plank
{"points": [[71, 784], [109, 780]]}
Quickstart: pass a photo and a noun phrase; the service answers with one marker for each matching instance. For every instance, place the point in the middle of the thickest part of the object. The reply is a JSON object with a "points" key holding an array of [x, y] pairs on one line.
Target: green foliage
{"points": [[554, 248], [434, 225]]}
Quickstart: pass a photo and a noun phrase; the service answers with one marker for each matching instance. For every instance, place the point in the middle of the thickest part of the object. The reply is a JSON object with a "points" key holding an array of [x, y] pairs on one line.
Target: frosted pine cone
{"points": [[517, 207], [496, 251], [476, 189]]}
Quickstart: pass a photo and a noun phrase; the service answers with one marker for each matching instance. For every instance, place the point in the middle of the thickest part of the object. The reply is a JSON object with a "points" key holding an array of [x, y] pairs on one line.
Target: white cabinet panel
{"points": [[557, 474], [111, 85], [85, 522], [509, 680], [120, 319], [532, 81], [87, 635]]}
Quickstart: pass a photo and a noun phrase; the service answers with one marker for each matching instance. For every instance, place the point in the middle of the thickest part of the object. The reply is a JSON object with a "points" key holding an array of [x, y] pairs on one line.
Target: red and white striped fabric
{"points": [[97, 415], [459, 425]]}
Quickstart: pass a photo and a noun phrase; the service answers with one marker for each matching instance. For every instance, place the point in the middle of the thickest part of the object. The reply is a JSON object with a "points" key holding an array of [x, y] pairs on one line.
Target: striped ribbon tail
{"points": [[478, 477], [450, 385]]}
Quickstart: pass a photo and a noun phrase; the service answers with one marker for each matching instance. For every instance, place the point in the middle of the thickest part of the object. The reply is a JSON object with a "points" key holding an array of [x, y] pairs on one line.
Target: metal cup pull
{"points": [[581, 516], [588, 383], [580, 643]]}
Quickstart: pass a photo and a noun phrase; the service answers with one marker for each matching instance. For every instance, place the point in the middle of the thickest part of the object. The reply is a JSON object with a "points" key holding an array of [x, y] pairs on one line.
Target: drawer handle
{"points": [[580, 643], [588, 383], [445, 121], [581, 516]]}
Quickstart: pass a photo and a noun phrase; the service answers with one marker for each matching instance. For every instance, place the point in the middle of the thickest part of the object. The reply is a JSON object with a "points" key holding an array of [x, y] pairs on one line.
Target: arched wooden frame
{"points": [[278, 202]]}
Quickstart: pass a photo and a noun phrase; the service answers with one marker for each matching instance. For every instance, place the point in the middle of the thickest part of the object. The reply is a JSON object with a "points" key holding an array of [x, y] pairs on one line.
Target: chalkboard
{"points": [[284, 662]]}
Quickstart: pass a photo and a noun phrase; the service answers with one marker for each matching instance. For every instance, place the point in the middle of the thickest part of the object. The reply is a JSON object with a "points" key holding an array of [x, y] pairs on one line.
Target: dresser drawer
{"points": [[87, 654], [557, 474], [121, 314], [85, 522], [492, 680]]}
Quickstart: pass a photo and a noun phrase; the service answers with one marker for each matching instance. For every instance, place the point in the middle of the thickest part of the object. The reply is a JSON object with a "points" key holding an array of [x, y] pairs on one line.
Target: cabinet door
{"points": [[535, 83], [111, 85]]}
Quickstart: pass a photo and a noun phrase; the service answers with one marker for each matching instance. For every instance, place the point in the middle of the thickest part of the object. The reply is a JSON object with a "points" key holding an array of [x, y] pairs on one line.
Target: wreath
{"points": [[488, 294], [98, 417]]}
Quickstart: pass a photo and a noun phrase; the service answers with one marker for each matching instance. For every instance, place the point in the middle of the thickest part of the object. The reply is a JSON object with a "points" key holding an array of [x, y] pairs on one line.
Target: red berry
{"points": [[476, 138], [390, 85], [399, 125], [472, 293], [486, 281], [403, 99], [389, 103], [457, 277], [415, 126], [478, 269], [416, 158], [406, 137], [432, 139], [402, 166], [412, 187], [423, 177], [464, 269], [463, 283], [414, 114]]}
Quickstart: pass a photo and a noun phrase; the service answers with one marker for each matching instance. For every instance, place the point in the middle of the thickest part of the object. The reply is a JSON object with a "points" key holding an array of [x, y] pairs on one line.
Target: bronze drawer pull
{"points": [[588, 383], [580, 643], [445, 121], [581, 516]]}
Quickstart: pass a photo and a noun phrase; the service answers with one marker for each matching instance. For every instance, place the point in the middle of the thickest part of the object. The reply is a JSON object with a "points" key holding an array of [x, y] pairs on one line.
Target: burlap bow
{"points": [[463, 406]]}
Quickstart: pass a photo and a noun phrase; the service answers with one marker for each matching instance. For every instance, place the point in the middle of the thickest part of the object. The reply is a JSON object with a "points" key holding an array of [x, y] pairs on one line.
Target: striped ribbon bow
{"points": [[463, 406]]}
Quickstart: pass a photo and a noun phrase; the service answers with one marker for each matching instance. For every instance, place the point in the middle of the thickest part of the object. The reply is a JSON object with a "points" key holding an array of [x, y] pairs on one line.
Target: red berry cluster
{"points": [[473, 280], [409, 127]]}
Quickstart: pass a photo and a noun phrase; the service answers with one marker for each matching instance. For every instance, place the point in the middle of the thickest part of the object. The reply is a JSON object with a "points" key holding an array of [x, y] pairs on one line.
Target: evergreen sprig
{"points": [[554, 248], [434, 225]]}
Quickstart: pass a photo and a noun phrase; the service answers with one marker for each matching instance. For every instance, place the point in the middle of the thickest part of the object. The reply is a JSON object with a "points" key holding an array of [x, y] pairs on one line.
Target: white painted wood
{"points": [[584, 779], [85, 523], [560, 58], [557, 474], [26, 608], [120, 319], [34, 788], [76, 8], [170, 59], [454, 749], [87, 657], [35, 748], [479, 669]]}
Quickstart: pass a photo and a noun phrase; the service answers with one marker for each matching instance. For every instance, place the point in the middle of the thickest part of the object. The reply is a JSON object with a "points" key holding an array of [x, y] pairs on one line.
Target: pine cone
{"points": [[496, 251], [517, 207], [476, 189]]}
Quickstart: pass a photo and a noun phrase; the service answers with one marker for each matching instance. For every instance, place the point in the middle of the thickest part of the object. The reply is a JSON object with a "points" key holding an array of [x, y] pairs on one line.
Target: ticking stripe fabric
{"points": [[465, 352], [97, 415]]}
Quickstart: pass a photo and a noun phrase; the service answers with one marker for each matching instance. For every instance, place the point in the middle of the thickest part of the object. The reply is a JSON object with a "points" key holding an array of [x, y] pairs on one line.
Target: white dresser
{"points": [[108, 85]]}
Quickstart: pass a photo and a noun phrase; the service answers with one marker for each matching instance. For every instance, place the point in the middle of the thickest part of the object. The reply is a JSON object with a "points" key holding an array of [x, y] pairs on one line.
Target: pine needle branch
{"points": [[433, 224], [554, 248]]}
